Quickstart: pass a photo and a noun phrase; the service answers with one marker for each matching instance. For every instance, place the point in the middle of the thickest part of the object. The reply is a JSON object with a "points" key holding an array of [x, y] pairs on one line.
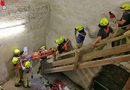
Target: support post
{"points": [[77, 57]]}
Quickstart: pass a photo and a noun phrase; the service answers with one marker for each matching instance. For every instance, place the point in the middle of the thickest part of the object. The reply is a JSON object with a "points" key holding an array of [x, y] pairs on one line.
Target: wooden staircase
{"points": [[80, 61]]}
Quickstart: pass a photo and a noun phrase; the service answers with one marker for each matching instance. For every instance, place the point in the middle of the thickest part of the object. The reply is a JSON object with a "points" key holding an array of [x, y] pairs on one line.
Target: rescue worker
{"points": [[42, 48], [26, 69], [62, 45], [42, 56], [17, 52], [80, 37], [18, 71], [123, 23], [125, 20], [103, 32]]}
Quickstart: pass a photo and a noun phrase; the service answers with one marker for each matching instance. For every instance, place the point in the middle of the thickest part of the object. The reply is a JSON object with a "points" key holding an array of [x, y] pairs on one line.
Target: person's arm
{"points": [[97, 40], [121, 22]]}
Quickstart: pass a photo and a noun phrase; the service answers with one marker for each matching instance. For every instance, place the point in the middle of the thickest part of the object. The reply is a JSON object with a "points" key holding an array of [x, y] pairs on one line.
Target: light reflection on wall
{"points": [[11, 28]]}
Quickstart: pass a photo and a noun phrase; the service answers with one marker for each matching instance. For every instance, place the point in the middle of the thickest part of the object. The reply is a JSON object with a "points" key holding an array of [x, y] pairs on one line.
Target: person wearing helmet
{"points": [[18, 71], [26, 68], [42, 48], [80, 37], [103, 32], [62, 45], [17, 52], [125, 19], [123, 23]]}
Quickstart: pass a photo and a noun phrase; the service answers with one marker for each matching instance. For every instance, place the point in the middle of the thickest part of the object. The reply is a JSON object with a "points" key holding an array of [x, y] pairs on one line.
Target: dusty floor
{"points": [[36, 85]]}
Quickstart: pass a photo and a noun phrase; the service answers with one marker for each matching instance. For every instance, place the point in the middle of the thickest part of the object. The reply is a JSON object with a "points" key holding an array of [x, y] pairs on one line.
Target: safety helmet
{"points": [[43, 47], [27, 64], [104, 21], [62, 39], [125, 6], [15, 60], [16, 51], [57, 41], [79, 28]]}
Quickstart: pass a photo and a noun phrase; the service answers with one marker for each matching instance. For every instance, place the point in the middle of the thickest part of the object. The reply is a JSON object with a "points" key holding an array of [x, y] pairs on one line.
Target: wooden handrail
{"points": [[73, 51], [107, 52], [63, 62], [95, 54], [109, 40], [112, 60]]}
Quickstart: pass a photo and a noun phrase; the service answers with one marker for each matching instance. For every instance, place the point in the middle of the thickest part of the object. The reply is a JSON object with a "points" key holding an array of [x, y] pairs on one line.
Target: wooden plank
{"points": [[97, 63], [107, 52], [59, 69], [77, 57], [95, 54], [63, 62], [102, 62], [127, 85], [67, 53], [108, 40]]}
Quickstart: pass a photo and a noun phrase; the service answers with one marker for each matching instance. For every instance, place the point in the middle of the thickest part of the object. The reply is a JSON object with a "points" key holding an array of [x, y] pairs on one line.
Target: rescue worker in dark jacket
{"points": [[123, 23], [62, 45], [103, 32]]}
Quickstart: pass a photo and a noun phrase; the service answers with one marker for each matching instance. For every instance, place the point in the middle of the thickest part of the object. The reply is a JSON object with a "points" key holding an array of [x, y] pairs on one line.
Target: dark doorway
{"points": [[111, 77]]}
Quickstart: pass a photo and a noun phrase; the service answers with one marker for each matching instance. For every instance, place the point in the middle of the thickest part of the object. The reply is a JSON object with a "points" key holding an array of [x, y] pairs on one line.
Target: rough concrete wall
{"points": [[35, 13], [66, 14]]}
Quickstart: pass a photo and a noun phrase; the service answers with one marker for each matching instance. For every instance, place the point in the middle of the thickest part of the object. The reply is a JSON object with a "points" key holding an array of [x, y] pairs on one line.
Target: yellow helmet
{"points": [[16, 51], [43, 47], [104, 21], [125, 6], [62, 39], [15, 60], [79, 28], [27, 64], [58, 41]]}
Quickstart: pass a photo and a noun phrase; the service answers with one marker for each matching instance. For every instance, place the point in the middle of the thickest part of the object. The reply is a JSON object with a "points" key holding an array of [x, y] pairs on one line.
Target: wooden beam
{"points": [[107, 52], [95, 54], [63, 62], [106, 61], [96, 63], [127, 85], [59, 69], [108, 40], [77, 57]]}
